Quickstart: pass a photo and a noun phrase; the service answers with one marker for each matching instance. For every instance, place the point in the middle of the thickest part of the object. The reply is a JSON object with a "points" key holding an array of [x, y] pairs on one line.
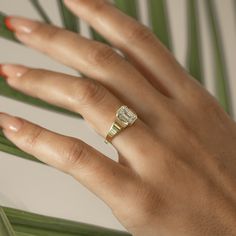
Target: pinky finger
{"points": [[103, 176]]}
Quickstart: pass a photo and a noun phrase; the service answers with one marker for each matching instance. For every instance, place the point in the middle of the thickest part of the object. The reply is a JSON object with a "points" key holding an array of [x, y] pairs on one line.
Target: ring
{"points": [[124, 118]]}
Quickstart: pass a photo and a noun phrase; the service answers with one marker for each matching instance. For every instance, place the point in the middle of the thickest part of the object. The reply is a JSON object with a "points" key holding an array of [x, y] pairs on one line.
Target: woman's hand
{"points": [[176, 173]]}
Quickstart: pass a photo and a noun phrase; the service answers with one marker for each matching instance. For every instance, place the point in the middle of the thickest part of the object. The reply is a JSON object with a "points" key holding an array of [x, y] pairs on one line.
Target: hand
{"points": [[176, 173]]}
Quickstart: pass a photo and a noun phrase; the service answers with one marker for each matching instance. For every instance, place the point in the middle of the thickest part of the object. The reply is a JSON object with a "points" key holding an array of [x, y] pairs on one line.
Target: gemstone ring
{"points": [[124, 118]]}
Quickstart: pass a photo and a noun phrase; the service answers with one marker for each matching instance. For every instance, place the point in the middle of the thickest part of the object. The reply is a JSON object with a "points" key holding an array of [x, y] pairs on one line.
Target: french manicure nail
{"points": [[10, 123], [20, 24], [15, 71]]}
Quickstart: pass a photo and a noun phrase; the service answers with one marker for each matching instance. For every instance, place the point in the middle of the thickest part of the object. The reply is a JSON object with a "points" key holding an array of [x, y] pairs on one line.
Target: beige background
{"points": [[30, 186]]}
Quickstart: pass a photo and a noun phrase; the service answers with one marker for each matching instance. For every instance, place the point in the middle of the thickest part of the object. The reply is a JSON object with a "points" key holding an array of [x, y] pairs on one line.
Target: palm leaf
{"points": [[221, 75], [69, 21], [34, 224], [194, 55], [159, 21], [41, 11], [5, 226]]}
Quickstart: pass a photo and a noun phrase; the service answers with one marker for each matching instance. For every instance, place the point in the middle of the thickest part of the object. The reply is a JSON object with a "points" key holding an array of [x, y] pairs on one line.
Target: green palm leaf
{"points": [[194, 55], [5, 226], [221, 75], [159, 21], [34, 224], [41, 11]]}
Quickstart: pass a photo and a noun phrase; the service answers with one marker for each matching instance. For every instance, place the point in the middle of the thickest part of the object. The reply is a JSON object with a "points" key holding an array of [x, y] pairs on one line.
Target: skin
{"points": [[176, 173]]}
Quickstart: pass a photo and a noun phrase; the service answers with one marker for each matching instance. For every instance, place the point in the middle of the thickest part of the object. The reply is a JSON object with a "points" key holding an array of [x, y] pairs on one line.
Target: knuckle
{"points": [[102, 55], [178, 121], [91, 92], [139, 33], [76, 155], [99, 5], [33, 137], [206, 102], [49, 33]]}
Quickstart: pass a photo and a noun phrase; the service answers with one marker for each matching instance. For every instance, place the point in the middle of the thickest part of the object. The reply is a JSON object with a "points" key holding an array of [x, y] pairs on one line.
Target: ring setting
{"points": [[125, 117]]}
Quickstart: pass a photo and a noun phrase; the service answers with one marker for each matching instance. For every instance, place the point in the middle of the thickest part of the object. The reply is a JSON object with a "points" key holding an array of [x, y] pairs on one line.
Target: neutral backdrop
{"points": [[38, 188]]}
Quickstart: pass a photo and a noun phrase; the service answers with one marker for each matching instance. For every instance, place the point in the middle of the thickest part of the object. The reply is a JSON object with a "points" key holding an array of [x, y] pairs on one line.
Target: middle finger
{"points": [[94, 102], [95, 60]]}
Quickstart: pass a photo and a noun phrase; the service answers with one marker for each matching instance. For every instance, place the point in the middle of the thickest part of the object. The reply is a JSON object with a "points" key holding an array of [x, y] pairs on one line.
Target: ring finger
{"points": [[86, 96]]}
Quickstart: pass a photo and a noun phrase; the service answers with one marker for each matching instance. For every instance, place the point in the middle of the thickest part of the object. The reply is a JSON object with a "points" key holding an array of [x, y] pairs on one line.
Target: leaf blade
{"points": [[194, 55], [221, 75], [159, 21], [36, 224], [40, 10]]}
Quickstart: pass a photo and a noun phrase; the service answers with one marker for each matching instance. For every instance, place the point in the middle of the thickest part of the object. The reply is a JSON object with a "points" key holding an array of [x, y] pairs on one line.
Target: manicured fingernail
{"points": [[10, 123], [20, 24], [14, 71], [2, 74], [8, 24]]}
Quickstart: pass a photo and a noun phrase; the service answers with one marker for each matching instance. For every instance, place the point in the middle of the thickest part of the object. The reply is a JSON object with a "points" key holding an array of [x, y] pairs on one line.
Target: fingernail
{"points": [[10, 123], [20, 24], [8, 24], [14, 71], [2, 74]]}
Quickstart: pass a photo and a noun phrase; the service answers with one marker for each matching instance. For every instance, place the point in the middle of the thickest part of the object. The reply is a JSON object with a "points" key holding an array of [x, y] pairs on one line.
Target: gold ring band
{"points": [[124, 118]]}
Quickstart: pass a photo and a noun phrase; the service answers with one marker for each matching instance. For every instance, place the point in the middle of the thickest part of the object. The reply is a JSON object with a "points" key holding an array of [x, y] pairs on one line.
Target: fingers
{"points": [[95, 60], [85, 96], [141, 46], [98, 173]]}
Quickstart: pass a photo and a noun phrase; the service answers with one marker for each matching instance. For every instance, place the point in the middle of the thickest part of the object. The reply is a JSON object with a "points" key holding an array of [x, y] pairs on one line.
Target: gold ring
{"points": [[124, 118]]}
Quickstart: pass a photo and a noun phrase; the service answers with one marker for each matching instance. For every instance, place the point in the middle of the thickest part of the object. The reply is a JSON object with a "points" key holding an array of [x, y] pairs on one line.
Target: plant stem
{"points": [[194, 55], [221, 76], [159, 21], [41, 11], [69, 21]]}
